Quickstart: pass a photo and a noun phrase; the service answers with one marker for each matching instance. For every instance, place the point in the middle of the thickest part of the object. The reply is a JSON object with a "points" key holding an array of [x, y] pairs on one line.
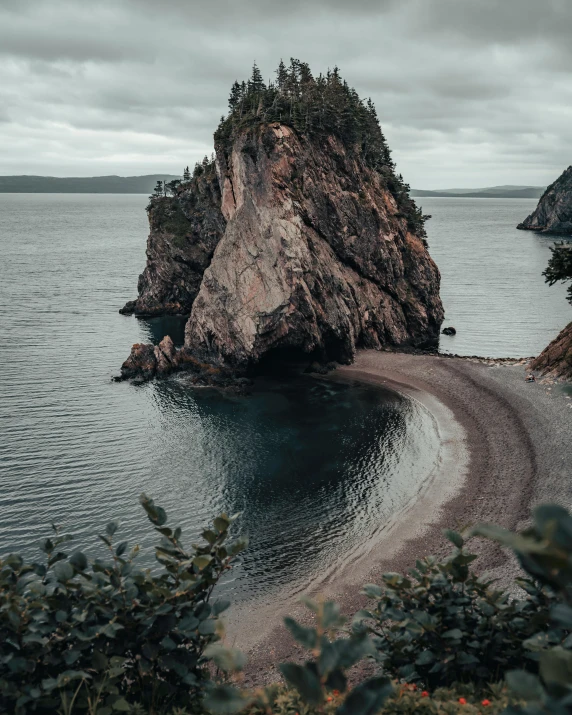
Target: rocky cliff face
{"points": [[184, 231], [554, 211], [556, 359], [316, 257]]}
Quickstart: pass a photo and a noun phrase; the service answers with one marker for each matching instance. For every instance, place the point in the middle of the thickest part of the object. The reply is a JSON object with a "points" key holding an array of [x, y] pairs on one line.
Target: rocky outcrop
{"points": [[184, 231], [316, 256], [149, 361], [554, 211], [556, 359]]}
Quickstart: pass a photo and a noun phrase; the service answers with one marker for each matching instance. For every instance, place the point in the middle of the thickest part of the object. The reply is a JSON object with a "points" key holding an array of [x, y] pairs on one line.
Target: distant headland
{"points": [[81, 184], [490, 192]]}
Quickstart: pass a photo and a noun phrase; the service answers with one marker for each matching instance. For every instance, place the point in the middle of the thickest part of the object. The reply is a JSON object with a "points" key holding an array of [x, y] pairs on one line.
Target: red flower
{"points": [[424, 694], [486, 702], [462, 701]]}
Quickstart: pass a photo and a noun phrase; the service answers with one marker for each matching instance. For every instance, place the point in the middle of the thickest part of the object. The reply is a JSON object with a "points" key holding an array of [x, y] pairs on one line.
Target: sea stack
{"points": [[318, 248], [554, 211], [184, 230]]}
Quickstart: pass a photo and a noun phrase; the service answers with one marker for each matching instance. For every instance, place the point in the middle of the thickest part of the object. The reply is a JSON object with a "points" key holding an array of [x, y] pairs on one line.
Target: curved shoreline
{"points": [[506, 447]]}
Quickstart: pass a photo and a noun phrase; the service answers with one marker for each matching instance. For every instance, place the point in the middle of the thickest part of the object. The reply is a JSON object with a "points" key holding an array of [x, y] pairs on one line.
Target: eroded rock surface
{"points": [[554, 211], [315, 256], [184, 231], [303, 248], [556, 359]]}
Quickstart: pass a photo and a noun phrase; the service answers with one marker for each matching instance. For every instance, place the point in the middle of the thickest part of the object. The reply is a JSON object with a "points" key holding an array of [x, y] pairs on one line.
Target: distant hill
{"points": [[82, 185], [491, 192]]}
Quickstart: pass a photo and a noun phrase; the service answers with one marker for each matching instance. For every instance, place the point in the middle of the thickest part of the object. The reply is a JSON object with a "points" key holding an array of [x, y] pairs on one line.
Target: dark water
{"points": [[492, 285], [314, 466]]}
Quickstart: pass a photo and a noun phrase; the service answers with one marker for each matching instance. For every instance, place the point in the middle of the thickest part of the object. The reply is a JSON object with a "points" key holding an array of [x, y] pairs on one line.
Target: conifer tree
{"points": [[256, 84], [158, 190], [235, 96], [186, 174], [317, 107], [281, 75]]}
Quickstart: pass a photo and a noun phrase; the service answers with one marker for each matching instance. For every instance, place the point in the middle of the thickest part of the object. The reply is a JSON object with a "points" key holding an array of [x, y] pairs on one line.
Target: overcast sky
{"points": [[469, 92]]}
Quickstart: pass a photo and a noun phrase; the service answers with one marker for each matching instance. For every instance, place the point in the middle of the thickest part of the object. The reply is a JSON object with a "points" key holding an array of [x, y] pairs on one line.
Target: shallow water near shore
{"points": [[315, 467]]}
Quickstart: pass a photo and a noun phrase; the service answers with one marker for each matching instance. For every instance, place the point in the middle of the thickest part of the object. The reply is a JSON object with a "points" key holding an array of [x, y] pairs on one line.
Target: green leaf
{"points": [[562, 614], [371, 590], [307, 637], [220, 606], [454, 633], [111, 528], [524, 685], [454, 537], [221, 523], [367, 698], [207, 628], [305, 681], [426, 658], [229, 660], [78, 560], [121, 548], [210, 536], [202, 562], [121, 706], [224, 700], [556, 666], [63, 571], [331, 615]]}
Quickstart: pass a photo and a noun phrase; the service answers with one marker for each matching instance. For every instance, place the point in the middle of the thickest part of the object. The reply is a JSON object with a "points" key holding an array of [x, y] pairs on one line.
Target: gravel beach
{"points": [[507, 445]]}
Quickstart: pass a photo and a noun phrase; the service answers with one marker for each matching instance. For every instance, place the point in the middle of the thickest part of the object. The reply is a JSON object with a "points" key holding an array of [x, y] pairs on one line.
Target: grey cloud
{"points": [[468, 91]]}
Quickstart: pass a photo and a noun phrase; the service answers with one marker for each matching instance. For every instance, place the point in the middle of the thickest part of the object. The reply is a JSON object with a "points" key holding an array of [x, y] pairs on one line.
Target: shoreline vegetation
{"points": [[514, 435], [103, 636]]}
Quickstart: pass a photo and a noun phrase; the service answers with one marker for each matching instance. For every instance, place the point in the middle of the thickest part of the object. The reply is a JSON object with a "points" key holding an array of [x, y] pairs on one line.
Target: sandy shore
{"points": [[506, 446]]}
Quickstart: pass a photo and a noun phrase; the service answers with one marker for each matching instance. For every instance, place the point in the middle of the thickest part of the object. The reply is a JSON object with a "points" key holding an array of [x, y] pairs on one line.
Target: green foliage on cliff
{"points": [[318, 107], [560, 266]]}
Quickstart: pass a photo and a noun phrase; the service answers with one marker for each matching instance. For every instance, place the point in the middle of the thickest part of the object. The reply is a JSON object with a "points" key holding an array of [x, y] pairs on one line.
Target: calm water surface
{"points": [[492, 287], [315, 467]]}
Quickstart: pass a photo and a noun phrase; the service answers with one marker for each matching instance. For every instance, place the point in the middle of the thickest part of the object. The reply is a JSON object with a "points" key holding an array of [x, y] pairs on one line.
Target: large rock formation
{"points": [[323, 250], [315, 256], [184, 231], [554, 211], [556, 359]]}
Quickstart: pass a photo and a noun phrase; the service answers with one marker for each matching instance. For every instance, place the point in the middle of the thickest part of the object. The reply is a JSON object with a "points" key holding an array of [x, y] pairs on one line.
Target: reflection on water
{"points": [[313, 467], [155, 329]]}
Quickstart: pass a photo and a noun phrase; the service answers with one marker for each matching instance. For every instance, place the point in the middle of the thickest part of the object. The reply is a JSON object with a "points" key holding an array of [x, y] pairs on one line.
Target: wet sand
{"points": [[506, 446]]}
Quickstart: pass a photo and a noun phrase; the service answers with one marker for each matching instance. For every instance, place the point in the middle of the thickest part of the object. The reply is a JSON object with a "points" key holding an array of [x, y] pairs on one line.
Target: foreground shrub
{"points": [[445, 625], [545, 551], [98, 636], [404, 700], [319, 685]]}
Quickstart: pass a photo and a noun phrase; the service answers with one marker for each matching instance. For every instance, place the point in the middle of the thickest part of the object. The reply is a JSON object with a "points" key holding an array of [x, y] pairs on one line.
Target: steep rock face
{"points": [[184, 231], [315, 256], [556, 359], [554, 211]]}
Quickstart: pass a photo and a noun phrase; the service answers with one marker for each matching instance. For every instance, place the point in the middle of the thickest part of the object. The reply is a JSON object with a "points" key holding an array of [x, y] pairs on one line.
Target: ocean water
{"points": [[314, 467], [492, 285]]}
